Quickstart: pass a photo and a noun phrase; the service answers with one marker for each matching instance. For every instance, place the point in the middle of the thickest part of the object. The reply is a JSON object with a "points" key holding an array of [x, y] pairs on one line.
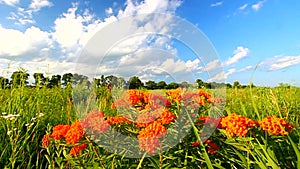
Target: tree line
{"points": [[20, 78]]}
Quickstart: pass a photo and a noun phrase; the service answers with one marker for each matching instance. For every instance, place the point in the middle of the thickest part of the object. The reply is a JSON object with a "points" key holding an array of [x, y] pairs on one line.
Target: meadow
{"points": [[258, 128]]}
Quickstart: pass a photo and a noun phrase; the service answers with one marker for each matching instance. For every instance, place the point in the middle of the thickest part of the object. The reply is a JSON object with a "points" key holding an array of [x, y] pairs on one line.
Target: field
{"points": [[258, 128]]}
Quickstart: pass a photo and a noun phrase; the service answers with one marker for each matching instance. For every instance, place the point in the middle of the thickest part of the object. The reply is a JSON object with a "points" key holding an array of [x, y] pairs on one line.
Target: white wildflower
{"points": [[9, 132], [41, 114]]}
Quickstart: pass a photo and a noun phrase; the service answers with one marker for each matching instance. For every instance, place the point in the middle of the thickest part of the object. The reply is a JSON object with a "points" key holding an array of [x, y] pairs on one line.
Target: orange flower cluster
{"points": [[112, 120], [71, 133], [175, 95], [46, 140], [60, 131], [237, 125], [95, 122], [166, 117], [150, 135], [75, 133], [196, 99], [275, 125], [77, 149]]}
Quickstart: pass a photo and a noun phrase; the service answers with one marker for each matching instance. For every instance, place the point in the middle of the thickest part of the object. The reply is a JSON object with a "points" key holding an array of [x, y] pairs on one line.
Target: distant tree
{"points": [[55, 81], [207, 85], [4, 82], [19, 78], [200, 83], [161, 85], [184, 85], [228, 85], [67, 79], [172, 85], [151, 85], [236, 84], [135, 83], [39, 79], [79, 79]]}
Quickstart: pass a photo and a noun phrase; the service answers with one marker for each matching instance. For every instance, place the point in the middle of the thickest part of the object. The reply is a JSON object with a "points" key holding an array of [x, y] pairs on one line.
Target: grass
{"points": [[29, 113]]}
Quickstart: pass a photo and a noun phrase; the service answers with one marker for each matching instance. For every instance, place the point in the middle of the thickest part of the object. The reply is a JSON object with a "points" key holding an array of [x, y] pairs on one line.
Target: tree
{"points": [[200, 83], [236, 84], [19, 78], [39, 79], [172, 85], [135, 83], [184, 84], [67, 79], [151, 85], [161, 85], [4, 82], [55, 81]]}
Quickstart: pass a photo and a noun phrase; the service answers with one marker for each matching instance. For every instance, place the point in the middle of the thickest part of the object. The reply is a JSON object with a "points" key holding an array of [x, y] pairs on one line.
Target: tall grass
{"points": [[27, 113]]}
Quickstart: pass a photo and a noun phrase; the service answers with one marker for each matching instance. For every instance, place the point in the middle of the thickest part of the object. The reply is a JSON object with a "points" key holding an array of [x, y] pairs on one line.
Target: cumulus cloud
{"points": [[240, 53], [258, 5], [217, 4], [280, 62], [147, 55], [17, 43], [36, 5], [10, 2], [222, 76], [211, 66]]}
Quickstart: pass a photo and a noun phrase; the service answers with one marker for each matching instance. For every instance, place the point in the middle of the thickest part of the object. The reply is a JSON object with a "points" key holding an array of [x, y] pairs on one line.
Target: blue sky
{"points": [[250, 37]]}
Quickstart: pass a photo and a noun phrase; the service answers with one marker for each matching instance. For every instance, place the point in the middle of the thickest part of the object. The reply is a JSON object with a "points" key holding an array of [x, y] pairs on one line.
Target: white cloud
{"points": [[72, 30], [193, 65], [10, 2], [17, 43], [36, 5], [247, 68], [243, 7], [211, 66], [109, 11], [216, 4], [258, 5], [280, 62], [240, 53], [21, 17], [222, 76], [149, 6]]}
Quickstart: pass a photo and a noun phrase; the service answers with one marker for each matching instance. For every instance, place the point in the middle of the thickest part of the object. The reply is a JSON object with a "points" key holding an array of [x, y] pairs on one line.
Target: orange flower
{"points": [[175, 95], [46, 140], [59, 131], [75, 133], [112, 120], [149, 137], [237, 125], [166, 117], [275, 125], [95, 121], [77, 149], [144, 119]]}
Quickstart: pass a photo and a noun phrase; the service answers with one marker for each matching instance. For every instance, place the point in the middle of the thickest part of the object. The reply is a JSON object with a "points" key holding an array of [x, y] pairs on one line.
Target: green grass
{"points": [[20, 138]]}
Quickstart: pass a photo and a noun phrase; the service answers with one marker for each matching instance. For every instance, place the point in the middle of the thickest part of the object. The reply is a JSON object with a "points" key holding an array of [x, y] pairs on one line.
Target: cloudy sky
{"points": [[181, 40]]}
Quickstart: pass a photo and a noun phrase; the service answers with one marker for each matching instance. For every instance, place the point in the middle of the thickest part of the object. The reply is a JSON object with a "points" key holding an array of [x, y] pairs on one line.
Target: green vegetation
{"points": [[28, 113]]}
